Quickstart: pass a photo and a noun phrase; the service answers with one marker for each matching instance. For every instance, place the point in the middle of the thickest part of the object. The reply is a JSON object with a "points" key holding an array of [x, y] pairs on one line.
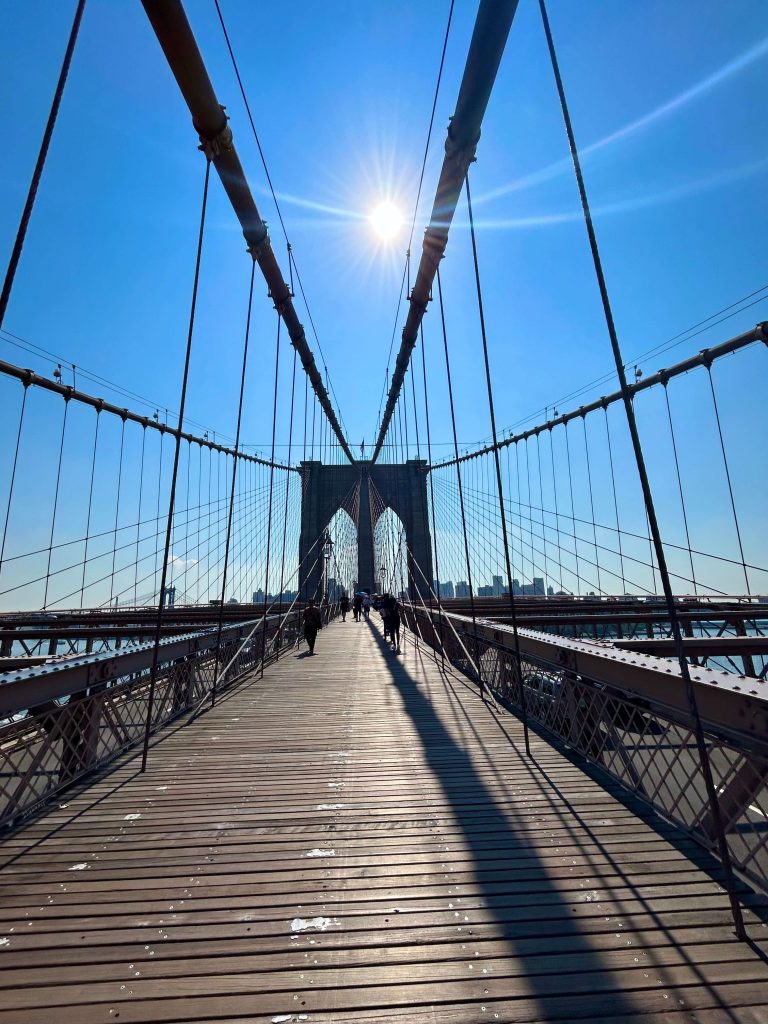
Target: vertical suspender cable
{"points": [[543, 524], [184, 574], [679, 483], [13, 472], [18, 245], [157, 511], [415, 416], [138, 518], [304, 443], [174, 474], [117, 511], [271, 487], [573, 509], [557, 511], [90, 507], [433, 531], [615, 500], [314, 414], [661, 559], [459, 481], [232, 487], [198, 561], [591, 501], [55, 501], [497, 464], [287, 493], [208, 526], [727, 475]]}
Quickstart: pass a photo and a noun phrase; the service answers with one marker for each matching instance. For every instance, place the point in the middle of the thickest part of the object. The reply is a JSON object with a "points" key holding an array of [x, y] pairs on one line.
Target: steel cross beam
{"points": [[489, 37], [175, 36]]}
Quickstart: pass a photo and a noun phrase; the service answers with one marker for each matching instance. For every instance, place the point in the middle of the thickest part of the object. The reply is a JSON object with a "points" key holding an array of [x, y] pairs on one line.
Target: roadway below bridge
{"points": [[358, 836]]}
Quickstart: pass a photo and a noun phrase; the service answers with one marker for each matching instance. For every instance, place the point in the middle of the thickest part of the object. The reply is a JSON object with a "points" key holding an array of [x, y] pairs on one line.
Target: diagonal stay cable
{"points": [[650, 507], [293, 266], [234, 481], [172, 494]]}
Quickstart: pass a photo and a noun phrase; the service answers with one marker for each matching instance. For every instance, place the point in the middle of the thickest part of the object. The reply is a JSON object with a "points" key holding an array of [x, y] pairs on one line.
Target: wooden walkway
{"points": [[357, 837]]}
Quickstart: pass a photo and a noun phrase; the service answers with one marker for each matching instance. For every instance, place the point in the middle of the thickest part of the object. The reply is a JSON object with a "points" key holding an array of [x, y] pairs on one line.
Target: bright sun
{"points": [[386, 220]]}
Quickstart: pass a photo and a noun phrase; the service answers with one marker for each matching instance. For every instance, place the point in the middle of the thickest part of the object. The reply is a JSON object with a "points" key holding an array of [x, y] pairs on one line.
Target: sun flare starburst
{"points": [[386, 220]]}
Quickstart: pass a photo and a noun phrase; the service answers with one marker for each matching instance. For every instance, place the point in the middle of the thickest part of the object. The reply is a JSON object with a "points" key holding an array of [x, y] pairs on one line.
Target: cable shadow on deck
{"points": [[533, 906]]}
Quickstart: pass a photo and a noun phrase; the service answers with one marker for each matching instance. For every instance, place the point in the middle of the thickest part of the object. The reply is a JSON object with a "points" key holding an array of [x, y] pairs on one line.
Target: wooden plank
{"points": [[358, 837]]}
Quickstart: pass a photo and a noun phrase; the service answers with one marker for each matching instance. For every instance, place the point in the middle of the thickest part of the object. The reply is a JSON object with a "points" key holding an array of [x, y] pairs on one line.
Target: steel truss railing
{"points": [[61, 722], [628, 715]]}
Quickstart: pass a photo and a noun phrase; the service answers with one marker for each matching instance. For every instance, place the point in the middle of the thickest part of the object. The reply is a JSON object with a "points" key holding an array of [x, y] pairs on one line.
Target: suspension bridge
{"points": [[549, 805]]}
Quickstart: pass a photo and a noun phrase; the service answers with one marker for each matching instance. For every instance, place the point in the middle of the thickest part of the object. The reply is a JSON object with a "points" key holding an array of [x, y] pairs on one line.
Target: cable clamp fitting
{"points": [[258, 249], [461, 156], [219, 143], [282, 304]]}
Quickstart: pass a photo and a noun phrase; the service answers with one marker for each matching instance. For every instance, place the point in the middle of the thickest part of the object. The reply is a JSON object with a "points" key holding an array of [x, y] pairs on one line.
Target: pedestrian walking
{"points": [[385, 615], [313, 623], [366, 606], [357, 606], [390, 613], [344, 607], [394, 624]]}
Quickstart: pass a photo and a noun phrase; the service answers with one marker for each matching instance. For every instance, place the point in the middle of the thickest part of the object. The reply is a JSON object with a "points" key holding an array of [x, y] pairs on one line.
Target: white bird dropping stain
{"points": [[79, 867], [320, 853], [131, 817], [318, 924]]}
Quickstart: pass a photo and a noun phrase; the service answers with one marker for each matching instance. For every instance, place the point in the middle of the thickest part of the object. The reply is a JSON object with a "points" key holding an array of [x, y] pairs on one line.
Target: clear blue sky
{"points": [[341, 94]]}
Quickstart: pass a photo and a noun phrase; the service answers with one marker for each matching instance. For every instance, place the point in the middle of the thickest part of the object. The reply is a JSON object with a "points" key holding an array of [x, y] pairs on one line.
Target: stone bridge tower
{"points": [[402, 487]]}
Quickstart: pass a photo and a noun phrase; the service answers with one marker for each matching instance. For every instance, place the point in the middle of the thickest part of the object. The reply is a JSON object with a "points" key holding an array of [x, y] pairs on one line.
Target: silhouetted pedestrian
{"points": [[357, 606], [313, 623], [394, 624], [344, 607]]}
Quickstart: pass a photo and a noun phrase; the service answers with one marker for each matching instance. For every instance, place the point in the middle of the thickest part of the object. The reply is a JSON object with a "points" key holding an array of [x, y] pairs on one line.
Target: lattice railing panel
{"points": [[646, 748], [46, 749]]}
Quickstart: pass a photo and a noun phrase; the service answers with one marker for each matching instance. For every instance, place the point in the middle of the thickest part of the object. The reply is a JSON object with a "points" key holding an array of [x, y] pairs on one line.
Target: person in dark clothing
{"points": [[384, 609], [390, 611], [394, 624], [344, 607], [313, 623], [357, 607]]}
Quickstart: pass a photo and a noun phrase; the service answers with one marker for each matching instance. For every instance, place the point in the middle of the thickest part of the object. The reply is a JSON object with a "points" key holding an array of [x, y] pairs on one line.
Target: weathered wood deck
{"points": [[357, 837]]}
